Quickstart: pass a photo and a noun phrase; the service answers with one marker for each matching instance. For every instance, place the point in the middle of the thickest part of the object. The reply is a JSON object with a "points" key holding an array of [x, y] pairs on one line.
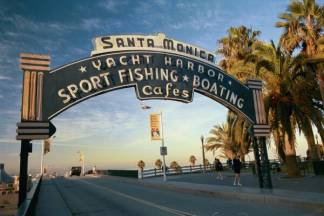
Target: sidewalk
{"points": [[50, 201], [208, 185], [309, 183]]}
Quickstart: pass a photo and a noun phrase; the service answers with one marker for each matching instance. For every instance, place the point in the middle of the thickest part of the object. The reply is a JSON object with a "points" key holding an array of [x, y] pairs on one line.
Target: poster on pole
{"points": [[155, 123], [47, 145]]}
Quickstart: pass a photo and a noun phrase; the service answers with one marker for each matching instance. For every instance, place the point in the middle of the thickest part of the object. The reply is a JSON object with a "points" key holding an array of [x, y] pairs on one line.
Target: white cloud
{"points": [[160, 2], [89, 123], [113, 6], [27, 25], [109, 5], [143, 8], [91, 24], [2, 77], [185, 6]]}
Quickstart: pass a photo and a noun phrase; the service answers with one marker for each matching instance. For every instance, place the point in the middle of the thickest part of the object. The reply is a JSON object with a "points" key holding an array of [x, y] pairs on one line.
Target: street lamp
{"points": [[163, 155], [203, 152], [81, 160], [145, 107]]}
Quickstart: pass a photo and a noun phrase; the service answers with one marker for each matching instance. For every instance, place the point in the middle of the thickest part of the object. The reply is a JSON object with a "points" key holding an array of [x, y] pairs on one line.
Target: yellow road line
{"points": [[164, 208]]}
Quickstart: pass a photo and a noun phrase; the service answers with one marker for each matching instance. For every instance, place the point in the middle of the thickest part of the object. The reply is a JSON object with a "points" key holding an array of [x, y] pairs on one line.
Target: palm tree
{"points": [[282, 109], [239, 133], [141, 165], [174, 165], [308, 114], [192, 160], [234, 48], [303, 24], [220, 139], [158, 164], [207, 162]]}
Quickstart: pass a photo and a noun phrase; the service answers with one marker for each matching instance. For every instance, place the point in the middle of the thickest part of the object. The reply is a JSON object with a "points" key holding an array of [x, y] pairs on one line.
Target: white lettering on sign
{"points": [[84, 86], [108, 44], [218, 90], [166, 79]]}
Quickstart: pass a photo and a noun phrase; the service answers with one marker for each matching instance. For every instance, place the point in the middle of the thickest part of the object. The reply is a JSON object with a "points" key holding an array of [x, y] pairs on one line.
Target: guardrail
{"points": [[27, 207]]}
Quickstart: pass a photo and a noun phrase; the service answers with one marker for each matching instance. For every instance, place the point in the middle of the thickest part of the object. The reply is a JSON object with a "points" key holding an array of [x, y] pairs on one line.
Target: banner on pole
{"points": [[47, 144], [155, 120]]}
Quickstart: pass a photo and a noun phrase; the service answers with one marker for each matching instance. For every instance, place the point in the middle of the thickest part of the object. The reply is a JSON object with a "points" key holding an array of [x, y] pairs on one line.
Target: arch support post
{"points": [[31, 125], [261, 131], [262, 162], [23, 172]]}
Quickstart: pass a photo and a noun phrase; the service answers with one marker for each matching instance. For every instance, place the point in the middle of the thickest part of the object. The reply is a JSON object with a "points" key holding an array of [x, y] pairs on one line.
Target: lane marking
{"points": [[164, 208]]}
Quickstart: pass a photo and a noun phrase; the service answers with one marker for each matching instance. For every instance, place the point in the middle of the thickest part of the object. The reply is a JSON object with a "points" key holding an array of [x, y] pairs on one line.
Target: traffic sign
{"points": [[163, 150]]}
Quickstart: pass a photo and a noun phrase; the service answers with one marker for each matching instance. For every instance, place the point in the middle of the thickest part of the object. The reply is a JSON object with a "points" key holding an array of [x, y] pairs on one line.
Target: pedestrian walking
{"points": [[229, 163], [237, 170], [219, 168]]}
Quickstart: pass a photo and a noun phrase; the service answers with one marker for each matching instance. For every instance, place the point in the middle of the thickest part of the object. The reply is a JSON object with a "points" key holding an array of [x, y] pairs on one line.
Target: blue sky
{"points": [[64, 30]]}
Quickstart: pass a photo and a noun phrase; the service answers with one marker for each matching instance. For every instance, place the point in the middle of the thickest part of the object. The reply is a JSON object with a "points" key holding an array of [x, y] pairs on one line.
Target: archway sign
{"points": [[157, 67]]}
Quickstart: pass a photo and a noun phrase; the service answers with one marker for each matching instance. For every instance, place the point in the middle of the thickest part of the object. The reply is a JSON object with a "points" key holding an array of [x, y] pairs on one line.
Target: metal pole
{"points": [[163, 156], [257, 161], [42, 159], [203, 153], [23, 173], [83, 165], [265, 164]]}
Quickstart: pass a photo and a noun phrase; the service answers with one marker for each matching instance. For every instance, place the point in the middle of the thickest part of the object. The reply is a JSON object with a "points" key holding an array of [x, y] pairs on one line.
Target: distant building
{"points": [[4, 177]]}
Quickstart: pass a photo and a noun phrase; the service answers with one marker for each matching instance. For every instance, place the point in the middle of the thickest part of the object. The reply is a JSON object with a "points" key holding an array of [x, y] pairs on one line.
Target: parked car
{"points": [[75, 171]]}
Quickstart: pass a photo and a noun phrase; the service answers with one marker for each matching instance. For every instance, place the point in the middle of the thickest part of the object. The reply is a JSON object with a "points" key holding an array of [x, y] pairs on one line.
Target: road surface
{"points": [[112, 196]]}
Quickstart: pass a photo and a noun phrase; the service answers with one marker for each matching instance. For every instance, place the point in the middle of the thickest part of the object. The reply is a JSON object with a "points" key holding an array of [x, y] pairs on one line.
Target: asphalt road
{"points": [[111, 196]]}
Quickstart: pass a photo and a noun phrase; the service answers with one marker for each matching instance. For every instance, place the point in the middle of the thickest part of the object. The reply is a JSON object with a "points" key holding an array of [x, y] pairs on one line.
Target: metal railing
{"points": [[275, 166], [175, 171]]}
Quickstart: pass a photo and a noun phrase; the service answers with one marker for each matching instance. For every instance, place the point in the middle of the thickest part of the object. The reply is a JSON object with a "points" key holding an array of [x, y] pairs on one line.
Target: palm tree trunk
{"points": [[309, 134], [279, 145], [320, 79], [316, 119], [290, 153], [306, 126]]}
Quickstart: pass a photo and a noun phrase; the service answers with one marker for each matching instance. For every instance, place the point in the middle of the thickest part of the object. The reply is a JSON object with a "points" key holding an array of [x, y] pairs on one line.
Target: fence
{"points": [[175, 171], [248, 166], [6, 189]]}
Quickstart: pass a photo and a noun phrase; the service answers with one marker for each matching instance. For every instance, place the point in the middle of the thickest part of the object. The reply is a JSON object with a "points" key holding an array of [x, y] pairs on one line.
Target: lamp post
{"points": [[163, 156], [81, 160], [145, 107], [203, 152], [42, 159]]}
